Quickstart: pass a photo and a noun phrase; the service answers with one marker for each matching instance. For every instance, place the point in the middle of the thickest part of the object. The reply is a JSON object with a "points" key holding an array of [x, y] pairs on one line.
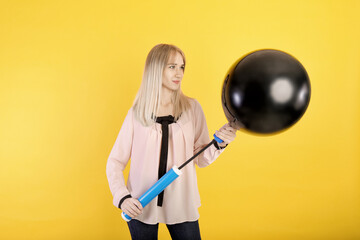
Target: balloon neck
{"points": [[236, 124]]}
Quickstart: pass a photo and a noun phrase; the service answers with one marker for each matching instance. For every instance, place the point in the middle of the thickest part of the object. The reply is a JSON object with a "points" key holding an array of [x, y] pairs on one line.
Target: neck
{"points": [[166, 97]]}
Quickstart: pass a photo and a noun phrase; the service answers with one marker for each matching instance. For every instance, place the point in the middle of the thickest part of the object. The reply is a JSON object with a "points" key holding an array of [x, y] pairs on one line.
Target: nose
{"points": [[179, 73]]}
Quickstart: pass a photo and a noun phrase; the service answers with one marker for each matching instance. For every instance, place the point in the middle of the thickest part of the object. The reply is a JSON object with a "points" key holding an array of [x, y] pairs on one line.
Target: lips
{"points": [[177, 82]]}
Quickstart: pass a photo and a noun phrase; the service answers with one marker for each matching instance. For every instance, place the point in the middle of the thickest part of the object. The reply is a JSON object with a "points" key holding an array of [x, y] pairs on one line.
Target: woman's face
{"points": [[173, 72]]}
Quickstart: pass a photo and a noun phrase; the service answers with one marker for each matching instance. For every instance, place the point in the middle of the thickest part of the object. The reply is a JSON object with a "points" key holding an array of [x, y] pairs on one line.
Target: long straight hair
{"points": [[147, 100]]}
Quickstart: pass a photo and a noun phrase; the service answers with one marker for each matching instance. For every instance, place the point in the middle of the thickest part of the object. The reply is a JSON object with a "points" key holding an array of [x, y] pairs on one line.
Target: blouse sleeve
{"points": [[118, 159], [202, 139]]}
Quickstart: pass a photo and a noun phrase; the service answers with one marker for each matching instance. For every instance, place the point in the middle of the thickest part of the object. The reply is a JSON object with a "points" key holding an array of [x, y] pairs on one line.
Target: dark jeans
{"points": [[180, 231]]}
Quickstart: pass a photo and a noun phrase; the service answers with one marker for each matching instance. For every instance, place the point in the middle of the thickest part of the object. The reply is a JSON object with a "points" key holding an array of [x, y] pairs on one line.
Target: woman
{"points": [[162, 129]]}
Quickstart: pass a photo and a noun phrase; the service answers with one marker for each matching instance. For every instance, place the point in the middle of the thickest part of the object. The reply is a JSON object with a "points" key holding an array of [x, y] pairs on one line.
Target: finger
{"points": [[228, 134], [129, 212], [135, 209], [227, 129], [220, 133], [126, 203], [138, 205], [128, 209], [223, 137], [230, 129], [132, 205], [225, 126]]}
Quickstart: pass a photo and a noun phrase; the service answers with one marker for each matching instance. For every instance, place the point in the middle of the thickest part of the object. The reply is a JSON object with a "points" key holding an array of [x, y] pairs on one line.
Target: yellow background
{"points": [[69, 71]]}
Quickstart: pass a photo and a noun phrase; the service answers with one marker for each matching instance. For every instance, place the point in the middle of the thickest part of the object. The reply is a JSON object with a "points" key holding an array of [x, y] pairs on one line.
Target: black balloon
{"points": [[265, 91]]}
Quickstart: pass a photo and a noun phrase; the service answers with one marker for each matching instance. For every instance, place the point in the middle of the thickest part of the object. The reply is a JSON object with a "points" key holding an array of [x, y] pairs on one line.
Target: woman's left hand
{"points": [[227, 134]]}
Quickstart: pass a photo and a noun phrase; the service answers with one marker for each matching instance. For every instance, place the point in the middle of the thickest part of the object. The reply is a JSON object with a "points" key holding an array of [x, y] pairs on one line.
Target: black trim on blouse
{"points": [[218, 147], [123, 199], [164, 121]]}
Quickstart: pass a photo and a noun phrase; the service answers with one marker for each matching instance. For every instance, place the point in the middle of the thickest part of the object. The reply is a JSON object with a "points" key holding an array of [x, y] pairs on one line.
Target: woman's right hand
{"points": [[132, 207]]}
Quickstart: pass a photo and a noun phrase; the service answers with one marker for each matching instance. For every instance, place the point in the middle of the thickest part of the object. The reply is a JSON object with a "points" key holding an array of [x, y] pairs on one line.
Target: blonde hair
{"points": [[147, 100]]}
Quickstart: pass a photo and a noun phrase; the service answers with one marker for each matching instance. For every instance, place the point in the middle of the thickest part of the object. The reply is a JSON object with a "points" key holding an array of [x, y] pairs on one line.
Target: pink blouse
{"points": [[142, 145]]}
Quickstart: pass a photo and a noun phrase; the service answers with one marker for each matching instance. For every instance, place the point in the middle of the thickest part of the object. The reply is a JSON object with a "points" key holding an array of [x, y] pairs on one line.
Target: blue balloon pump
{"points": [[166, 180]]}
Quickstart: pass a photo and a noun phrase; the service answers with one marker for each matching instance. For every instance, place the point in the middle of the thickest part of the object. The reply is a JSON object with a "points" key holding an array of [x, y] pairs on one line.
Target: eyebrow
{"points": [[174, 64]]}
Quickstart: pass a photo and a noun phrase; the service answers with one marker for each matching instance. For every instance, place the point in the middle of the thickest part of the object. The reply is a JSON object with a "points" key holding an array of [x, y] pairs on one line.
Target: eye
{"points": [[182, 67], [171, 66]]}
